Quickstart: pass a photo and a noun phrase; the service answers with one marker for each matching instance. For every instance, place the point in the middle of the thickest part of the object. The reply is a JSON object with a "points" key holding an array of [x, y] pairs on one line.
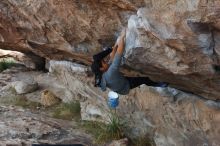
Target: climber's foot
{"points": [[162, 84]]}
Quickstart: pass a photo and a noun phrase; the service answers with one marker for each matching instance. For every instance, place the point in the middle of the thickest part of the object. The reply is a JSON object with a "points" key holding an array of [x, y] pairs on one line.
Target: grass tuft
{"points": [[104, 133], [143, 141], [67, 111], [19, 100], [25, 103], [115, 127], [114, 130]]}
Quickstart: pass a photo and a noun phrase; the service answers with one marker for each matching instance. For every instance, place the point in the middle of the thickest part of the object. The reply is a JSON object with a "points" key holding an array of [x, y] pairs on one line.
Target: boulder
{"points": [[176, 44], [22, 87], [76, 79], [48, 98]]}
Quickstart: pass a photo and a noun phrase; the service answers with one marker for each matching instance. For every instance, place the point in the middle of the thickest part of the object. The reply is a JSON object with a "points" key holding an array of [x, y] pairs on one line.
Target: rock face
{"points": [[173, 41], [178, 42], [67, 29]]}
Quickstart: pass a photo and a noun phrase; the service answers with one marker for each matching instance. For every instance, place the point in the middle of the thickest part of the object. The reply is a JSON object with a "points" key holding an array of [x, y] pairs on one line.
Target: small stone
{"points": [[121, 142], [48, 98]]}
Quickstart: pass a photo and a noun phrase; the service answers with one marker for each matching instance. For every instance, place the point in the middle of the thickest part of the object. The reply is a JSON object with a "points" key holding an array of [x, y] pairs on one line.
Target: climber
{"points": [[108, 75]]}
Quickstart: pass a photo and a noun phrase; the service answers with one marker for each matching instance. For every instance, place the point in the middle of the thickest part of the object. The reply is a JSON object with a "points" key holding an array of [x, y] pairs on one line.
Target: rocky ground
{"points": [[25, 121], [24, 126]]}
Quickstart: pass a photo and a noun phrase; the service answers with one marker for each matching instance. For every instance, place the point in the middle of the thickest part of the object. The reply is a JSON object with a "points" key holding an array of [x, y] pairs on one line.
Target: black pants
{"points": [[137, 81]]}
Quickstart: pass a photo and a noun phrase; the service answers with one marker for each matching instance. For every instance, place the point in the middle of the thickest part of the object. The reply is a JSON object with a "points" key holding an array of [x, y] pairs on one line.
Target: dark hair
{"points": [[96, 65]]}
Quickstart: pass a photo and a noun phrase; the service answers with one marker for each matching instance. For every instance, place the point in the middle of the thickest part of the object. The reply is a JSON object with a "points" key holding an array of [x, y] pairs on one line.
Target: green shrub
{"points": [[6, 63]]}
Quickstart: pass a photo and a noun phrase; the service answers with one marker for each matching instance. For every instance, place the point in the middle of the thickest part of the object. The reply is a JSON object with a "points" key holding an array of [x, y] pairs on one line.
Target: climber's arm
{"points": [[121, 46], [112, 55], [118, 55]]}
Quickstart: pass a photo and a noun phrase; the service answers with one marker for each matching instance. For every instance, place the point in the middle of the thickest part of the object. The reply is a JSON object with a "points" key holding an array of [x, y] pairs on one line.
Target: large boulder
{"points": [[177, 42], [76, 79]]}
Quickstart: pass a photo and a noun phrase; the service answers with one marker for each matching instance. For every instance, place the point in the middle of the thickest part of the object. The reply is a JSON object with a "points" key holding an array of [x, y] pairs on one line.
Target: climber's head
{"points": [[98, 68], [99, 65]]}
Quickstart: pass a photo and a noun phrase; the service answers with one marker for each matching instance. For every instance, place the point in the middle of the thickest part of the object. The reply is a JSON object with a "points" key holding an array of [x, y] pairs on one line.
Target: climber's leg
{"points": [[137, 81]]}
